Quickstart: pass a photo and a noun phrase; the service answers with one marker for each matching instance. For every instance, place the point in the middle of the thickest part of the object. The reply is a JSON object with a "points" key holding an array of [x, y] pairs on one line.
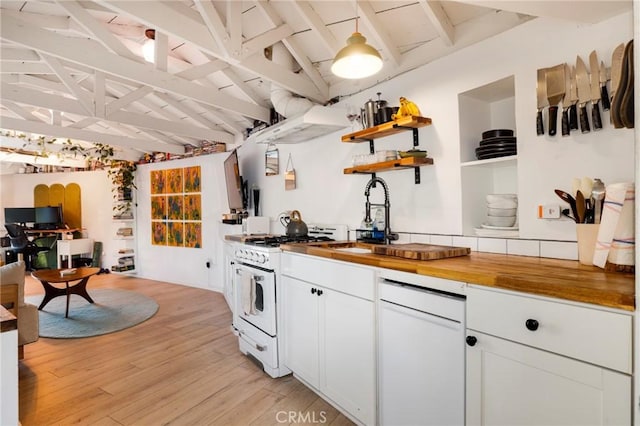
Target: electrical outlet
{"points": [[549, 211]]}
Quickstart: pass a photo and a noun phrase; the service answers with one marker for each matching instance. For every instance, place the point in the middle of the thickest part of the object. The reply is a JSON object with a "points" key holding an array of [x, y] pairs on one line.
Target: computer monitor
{"points": [[21, 215], [48, 217]]}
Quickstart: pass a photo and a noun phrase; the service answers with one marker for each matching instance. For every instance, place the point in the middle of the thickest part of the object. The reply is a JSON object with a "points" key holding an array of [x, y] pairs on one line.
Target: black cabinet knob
{"points": [[319, 292], [472, 340], [313, 291], [532, 324]]}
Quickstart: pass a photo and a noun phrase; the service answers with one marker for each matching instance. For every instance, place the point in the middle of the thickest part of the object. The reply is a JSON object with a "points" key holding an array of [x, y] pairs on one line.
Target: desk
{"points": [[71, 247], [49, 232], [47, 276]]}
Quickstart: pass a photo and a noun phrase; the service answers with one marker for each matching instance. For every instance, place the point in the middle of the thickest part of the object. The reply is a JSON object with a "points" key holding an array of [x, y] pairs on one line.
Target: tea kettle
{"points": [[295, 226]]}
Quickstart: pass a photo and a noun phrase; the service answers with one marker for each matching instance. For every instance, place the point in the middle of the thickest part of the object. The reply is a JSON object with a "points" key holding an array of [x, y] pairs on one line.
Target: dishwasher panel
{"points": [[421, 356]]}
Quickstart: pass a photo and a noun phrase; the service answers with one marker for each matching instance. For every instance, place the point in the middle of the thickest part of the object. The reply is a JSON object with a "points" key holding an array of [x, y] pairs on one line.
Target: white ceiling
{"points": [[74, 69]]}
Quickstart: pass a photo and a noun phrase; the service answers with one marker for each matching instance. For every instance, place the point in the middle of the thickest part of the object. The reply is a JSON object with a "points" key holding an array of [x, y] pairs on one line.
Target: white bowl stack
{"points": [[502, 210]]}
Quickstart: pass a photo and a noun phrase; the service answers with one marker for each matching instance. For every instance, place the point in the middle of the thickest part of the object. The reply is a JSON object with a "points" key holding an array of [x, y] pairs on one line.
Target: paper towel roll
{"points": [[616, 236]]}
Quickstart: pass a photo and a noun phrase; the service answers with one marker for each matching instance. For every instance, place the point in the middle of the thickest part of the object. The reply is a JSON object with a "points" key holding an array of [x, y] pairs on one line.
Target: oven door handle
{"points": [[255, 277], [258, 346]]}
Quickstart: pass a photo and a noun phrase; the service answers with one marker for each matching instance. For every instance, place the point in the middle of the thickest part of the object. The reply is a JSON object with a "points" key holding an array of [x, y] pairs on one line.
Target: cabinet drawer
{"points": [[340, 276], [600, 337]]}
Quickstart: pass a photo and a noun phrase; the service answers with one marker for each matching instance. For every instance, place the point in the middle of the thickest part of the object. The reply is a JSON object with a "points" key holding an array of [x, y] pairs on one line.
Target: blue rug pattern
{"points": [[113, 310]]}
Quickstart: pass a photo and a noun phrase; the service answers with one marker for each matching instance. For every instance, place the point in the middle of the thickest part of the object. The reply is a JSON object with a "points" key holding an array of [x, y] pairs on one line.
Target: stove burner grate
{"points": [[275, 241]]}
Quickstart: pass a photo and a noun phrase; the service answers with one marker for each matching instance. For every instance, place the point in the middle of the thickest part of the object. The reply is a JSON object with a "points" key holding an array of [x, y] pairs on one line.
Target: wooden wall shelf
{"points": [[387, 129], [402, 163]]}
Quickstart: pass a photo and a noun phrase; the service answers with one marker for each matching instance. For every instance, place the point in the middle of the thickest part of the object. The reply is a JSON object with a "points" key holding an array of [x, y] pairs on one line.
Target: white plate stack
{"points": [[502, 216]]}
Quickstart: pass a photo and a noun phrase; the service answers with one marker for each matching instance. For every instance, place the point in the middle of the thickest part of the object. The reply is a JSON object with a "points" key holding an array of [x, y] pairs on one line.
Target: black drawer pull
{"points": [[313, 291], [532, 324], [472, 340]]}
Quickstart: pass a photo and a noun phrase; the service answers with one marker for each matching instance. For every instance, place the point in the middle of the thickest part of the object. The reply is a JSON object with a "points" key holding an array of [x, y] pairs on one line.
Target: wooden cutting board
{"points": [[419, 251]]}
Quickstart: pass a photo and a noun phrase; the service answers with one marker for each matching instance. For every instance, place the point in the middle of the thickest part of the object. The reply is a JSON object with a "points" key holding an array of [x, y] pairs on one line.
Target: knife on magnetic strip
{"points": [[573, 110], [584, 93], [555, 91], [616, 72], [606, 104], [566, 101], [541, 95], [595, 91]]}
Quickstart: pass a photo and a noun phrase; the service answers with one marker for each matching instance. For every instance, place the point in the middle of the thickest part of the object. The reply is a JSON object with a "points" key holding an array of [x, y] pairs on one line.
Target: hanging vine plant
{"points": [[122, 174]]}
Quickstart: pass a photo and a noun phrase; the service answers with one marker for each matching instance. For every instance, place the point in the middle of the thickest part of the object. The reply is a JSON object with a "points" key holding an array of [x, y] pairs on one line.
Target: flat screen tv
{"points": [[21, 215], [235, 187], [48, 216]]}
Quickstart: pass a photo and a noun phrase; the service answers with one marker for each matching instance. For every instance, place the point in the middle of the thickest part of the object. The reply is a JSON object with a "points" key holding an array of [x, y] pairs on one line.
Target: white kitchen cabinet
{"points": [[302, 325], [330, 331], [535, 361]]}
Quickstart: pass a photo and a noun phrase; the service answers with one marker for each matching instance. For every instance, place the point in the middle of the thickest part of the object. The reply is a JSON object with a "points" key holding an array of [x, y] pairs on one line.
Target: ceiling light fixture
{"points": [[357, 59], [149, 46]]}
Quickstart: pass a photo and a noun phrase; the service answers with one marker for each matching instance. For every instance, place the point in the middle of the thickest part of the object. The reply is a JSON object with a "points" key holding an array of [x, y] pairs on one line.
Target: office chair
{"points": [[21, 244]]}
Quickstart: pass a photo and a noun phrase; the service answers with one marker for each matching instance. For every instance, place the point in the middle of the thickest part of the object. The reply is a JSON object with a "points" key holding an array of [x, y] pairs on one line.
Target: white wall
{"points": [[184, 265], [326, 195]]}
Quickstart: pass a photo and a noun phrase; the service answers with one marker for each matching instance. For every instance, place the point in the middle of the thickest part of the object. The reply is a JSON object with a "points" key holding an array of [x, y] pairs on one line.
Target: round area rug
{"points": [[113, 310]]}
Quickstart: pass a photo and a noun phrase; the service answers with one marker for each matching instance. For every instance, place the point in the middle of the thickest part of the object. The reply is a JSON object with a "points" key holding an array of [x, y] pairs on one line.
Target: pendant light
{"points": [[149, 46], [357, 59]]}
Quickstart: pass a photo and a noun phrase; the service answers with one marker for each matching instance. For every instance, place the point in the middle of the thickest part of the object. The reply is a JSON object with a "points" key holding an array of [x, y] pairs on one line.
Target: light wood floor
{"points": [[181, 367]]}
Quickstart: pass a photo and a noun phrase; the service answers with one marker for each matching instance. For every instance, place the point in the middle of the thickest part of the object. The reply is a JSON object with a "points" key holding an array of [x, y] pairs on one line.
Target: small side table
{"points": [[67, 248], [48, 276]]}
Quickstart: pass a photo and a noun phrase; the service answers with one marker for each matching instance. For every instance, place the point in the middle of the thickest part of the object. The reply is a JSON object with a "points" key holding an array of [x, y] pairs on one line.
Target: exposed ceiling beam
{"points": [[294, 48], [315, 22], [87, 135], [127, 99], [18, 54], [60, 103], [87, 52], [202, 70], [368, 16], [214, 23], [439, 19], [99, 31], [65, 77], [19, 110], [244, 87], [24, 68], [188, 111], [162, 16], [234, 28]]}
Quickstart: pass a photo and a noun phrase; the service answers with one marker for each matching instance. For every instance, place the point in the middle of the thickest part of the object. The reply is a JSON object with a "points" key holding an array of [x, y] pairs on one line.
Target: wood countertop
{"points": [[564, 279]]}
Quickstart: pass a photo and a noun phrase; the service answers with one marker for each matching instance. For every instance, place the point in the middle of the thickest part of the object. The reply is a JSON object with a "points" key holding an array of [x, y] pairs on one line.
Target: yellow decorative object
{"points": [[407, 108]]}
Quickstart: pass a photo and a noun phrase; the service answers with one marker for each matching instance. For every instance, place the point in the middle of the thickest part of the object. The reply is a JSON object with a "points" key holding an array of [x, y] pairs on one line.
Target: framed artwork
{"points": [[192, 208], [158, 182], [192, 234], [174, 181], [176, 207], [159, 233], [158, 207], [175, 234], [192, 179]]}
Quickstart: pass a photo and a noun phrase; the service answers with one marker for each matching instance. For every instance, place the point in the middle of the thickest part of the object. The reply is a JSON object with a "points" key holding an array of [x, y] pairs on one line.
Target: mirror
{"points": [[271, 161]]}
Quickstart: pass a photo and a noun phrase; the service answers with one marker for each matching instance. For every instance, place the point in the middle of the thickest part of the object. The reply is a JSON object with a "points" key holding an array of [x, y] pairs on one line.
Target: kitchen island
{"points": [[563, 279]]}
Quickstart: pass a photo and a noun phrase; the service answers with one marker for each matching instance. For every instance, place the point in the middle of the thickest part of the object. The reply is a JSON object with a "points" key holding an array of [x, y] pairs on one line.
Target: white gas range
{"points": [[256, 286]]}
